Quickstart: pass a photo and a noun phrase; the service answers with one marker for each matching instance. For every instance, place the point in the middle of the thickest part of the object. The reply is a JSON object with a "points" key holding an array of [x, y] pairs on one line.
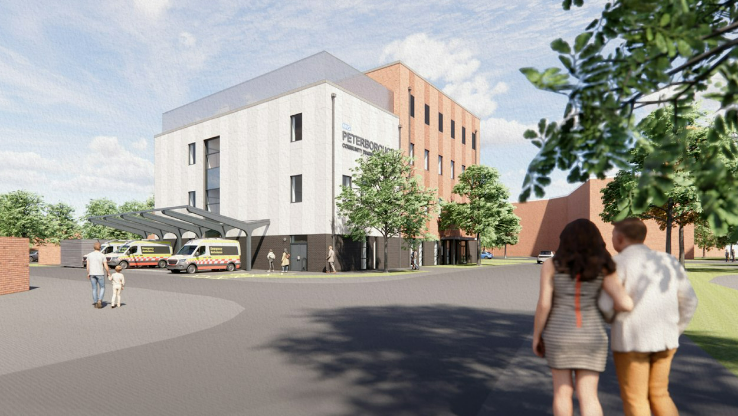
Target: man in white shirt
{"points": [[645, 339], [97, 270]]}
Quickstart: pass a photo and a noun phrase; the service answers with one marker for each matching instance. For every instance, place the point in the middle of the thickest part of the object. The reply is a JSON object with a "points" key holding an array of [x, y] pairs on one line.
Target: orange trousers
{"points": [[644, 382]]}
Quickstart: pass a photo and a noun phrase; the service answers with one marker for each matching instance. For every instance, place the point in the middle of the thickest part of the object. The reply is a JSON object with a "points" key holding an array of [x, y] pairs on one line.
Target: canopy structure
{"points": [[179, 220]]}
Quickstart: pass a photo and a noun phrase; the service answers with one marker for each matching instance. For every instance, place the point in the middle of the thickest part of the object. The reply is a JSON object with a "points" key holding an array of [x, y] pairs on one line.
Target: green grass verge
{"points": [[38, 265], [715, 324]]}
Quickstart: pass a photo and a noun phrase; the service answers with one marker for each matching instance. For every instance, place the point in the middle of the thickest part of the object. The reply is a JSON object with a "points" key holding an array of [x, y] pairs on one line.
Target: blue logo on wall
{"points": [[346, 126]]}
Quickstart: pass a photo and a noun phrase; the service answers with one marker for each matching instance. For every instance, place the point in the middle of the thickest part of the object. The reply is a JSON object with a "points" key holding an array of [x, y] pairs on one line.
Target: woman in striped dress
{"points": [[569, 330]]}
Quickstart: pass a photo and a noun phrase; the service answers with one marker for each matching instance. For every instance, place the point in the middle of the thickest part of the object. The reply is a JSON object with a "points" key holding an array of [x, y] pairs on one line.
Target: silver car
{"points": [[543, 255]]}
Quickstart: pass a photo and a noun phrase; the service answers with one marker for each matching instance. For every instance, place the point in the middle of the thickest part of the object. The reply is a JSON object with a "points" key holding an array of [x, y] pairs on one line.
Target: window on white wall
{"points": [[192, 199], [191, 151], [347, 181], [296, 188], [296, 128]]}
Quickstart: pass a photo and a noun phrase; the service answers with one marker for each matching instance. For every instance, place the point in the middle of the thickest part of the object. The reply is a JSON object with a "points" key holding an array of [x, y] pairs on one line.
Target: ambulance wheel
{"points": [[162, 264], [191, 269], [123, 265], [231, 267]]}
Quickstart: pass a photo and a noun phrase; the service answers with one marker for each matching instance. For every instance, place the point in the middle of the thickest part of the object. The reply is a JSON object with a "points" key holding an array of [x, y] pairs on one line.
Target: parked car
{"points": [[487, 255], [543, 255], [33, 255]]}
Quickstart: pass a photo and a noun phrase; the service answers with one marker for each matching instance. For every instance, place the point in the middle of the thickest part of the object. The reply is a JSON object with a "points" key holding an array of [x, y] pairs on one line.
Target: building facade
{"points": [[543, 221], [443, 138], [280, 146]]}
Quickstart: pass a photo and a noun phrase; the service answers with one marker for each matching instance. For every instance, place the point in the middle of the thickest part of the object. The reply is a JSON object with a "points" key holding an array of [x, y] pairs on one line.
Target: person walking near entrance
{"points": [[271, 257], [285, 261], [97, 271], [727, 254], [331, 258], [645, 339], [732, 254], [412, 260], [119, 282]]}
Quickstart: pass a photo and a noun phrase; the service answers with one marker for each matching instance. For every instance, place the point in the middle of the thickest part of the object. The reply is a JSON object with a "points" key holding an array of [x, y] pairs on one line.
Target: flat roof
{"points": [[321, 66]]}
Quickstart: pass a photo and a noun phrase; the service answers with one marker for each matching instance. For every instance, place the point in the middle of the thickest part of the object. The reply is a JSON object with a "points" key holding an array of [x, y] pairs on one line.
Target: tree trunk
{"points": [[479, 251], [505, 250], [681, 244], [386, 244], [703, 252], [669, 223]]}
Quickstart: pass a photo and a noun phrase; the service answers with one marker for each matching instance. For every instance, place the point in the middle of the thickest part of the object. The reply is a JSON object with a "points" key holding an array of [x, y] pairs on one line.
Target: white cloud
{"points": [[140, 144], [451, 63], [496, 131], [109, 158], [187, 39], [152, 8]]}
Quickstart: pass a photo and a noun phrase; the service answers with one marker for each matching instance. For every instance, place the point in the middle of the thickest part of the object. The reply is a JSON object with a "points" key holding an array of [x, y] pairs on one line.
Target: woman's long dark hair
{"points": [[582, 251]]}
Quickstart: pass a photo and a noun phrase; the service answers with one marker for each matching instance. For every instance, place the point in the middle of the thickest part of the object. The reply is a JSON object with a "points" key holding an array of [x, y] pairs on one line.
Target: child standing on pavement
{"points": [[119, 281]]}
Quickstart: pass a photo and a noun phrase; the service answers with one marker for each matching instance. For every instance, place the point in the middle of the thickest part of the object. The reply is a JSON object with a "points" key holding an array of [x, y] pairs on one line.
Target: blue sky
{"points": [[83, 84]]}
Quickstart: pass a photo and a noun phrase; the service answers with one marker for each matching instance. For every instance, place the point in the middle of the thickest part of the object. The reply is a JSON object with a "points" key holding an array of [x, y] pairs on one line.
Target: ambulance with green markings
{"points": [[206, 254]]}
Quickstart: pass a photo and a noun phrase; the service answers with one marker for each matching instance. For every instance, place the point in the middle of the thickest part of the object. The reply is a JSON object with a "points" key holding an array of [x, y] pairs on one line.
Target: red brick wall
{"points": [[49, 254], [543, 221], [14, 272]]}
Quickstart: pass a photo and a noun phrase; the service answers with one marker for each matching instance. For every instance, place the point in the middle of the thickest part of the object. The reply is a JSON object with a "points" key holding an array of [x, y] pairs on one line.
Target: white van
{"points": [[206, 254], [107, 248], [140, 253]]}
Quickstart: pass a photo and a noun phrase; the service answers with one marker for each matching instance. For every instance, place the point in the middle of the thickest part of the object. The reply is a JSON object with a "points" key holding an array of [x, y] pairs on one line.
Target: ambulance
{"points": [[106, 248], [140, 253], [206, 254]]}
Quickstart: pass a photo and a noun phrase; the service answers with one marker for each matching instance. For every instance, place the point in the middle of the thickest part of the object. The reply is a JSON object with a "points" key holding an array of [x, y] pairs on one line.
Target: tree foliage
{"points": [[63, 223], [484, 210], [105, 206], [388, 198], [637, 54], [23, 214]]}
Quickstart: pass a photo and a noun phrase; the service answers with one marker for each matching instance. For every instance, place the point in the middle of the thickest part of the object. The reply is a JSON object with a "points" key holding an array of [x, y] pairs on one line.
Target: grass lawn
{"points": [[715, 324]]}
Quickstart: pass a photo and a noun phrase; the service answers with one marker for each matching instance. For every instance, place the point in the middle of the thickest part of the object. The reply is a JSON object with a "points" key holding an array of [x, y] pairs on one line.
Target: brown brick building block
{"points": [[49, 254], [14, 269], [543, 221]]}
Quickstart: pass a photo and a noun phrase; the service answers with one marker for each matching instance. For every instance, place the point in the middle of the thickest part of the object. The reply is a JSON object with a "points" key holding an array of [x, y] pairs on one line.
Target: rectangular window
{"points": [[192, 200], [426, 160], [296, 186], [474, 140], [440, 122], [191, 148], [412, 153], [463, 168], [212, 175], [440, 165], [452, 170], [296, 127], [463, 135], [427, 115], [412, 105], [453, 129], [346, 181]]}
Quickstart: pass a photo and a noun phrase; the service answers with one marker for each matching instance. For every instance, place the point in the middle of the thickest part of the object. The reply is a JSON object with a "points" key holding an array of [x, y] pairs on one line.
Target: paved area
{"points": [[442, 342]]}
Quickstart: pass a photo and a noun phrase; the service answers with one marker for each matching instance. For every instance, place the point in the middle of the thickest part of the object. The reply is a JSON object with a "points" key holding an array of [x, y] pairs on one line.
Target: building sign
{"points": [[361, 145]]}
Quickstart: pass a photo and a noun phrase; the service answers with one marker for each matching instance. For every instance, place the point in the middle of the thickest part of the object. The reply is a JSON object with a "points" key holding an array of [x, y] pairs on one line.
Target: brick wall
{"points": [[14, 269], [49, 254]]}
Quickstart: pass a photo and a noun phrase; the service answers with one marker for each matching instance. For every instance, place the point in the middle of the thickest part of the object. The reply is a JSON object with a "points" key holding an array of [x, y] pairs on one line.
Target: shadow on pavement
{"points": [[425, 360]]}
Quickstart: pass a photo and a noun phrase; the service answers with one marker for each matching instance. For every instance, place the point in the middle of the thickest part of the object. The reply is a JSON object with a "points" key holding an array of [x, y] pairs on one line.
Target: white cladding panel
{"points": [[257, 158]]}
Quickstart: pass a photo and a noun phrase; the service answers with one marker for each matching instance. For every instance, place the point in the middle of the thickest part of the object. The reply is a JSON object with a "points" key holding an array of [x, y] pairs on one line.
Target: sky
{"points": [[83, 84]]}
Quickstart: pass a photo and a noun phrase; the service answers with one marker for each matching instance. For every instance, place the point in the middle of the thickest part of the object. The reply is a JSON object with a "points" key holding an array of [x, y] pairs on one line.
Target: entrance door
{"points": [[298, 257], [364, 248]]}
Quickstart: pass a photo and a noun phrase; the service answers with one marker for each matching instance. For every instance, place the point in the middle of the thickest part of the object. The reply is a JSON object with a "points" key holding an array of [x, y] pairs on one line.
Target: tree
{"points": [[506, 231], [638, 54], [705, 239], [104, 206], [386, 198], [22, 215], [63, 223], [485, 204]]}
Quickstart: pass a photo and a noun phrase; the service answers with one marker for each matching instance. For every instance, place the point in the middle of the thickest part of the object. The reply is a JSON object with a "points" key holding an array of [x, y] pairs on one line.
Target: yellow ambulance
{"points": [[206, 254], [140, 253]]}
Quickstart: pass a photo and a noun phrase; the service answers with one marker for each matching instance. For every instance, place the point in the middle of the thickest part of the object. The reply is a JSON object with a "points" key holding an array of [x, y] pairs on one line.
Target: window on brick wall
{"points": [[427, 115], [463, 135], [440, 122], [412, 105], [453, 129]]}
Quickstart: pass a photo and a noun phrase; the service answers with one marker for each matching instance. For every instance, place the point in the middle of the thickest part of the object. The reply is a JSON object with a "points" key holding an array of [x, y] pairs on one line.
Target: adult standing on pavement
{"points": [[732, 254], [97, 271], [271, 258], [285, 261], [331, 258], [645, 339]]}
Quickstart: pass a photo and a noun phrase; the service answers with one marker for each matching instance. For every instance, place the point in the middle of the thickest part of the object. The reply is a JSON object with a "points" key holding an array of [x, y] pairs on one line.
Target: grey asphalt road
{"points": [[444, 342]]}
